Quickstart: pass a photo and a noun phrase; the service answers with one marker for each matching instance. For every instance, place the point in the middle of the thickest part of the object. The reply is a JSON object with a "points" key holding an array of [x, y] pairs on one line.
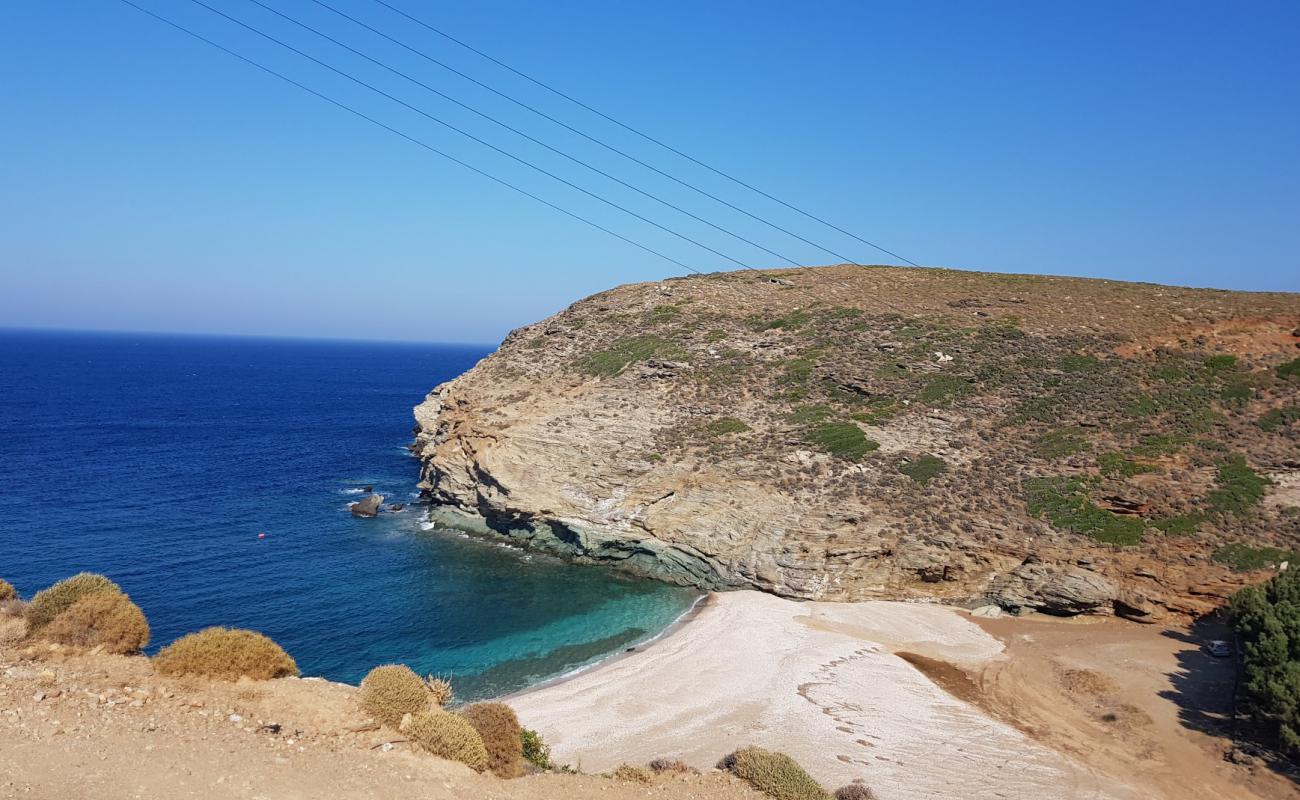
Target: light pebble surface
{"points": [[818, 681]]}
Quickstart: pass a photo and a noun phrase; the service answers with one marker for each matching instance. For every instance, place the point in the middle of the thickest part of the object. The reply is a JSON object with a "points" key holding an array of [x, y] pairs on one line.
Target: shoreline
{"points": [[677, 625]]}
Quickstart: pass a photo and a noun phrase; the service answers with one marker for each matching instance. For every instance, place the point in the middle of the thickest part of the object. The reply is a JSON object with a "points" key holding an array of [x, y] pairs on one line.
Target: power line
{"points": [[572, 129], [407, 137], [518, 132], [642, 134], [469, 135]]}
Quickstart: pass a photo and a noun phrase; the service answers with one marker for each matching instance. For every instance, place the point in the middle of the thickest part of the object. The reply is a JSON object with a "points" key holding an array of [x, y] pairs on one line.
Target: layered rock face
{"points": [[865, 432]]}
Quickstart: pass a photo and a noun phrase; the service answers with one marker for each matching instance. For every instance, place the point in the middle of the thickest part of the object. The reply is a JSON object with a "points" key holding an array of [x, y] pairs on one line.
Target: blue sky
{"points": [[149, 182]]}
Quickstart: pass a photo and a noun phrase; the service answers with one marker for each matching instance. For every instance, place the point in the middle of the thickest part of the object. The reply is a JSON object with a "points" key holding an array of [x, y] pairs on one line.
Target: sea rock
{"points": [[367, 506]]}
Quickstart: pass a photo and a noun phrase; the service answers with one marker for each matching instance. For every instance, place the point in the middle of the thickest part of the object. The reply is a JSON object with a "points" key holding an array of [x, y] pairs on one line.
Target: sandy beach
{"points": [[819, 681]]}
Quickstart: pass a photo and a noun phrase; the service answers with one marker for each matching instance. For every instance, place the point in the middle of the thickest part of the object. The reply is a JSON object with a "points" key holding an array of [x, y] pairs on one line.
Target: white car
{"points": [[1219, 648]]}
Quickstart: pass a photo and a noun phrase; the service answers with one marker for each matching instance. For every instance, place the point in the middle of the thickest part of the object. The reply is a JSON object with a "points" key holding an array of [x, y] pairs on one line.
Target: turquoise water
{"points": [[157, 461]]}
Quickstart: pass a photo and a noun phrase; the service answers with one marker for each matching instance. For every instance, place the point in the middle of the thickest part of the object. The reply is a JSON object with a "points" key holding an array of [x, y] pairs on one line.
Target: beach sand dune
{"points": [[819, 681]]}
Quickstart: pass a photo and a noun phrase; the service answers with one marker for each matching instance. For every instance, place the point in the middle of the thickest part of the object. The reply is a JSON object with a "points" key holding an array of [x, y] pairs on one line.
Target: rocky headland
{"points": [[849, 433]]}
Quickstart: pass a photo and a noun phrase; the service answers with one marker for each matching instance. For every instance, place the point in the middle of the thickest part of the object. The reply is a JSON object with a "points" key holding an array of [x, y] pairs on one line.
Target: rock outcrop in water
{"points": [[848, 432]]}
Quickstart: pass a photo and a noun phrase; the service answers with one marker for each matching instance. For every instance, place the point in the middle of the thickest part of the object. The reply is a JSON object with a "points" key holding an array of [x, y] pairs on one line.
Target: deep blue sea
{"points": [[157, 460]]}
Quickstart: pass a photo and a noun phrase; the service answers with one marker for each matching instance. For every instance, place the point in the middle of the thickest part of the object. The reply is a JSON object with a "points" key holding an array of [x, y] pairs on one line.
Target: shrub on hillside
{"points": [[107, 619], [536, 751], [499, 729], [774, 774], [449, 736], [225, 653], [7, 591], [854, 791], [633, 773], [440, 690], [670, 765], [391, 691], [51, 602], [1267, 619]]}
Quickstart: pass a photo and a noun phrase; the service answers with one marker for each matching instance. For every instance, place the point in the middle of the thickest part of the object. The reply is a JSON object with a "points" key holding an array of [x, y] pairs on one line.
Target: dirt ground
{"points": [[1143, 704], [108, 728]]}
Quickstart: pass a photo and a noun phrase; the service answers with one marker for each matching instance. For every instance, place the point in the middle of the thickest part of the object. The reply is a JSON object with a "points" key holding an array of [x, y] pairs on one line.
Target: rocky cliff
{"points": [[858, 432]]}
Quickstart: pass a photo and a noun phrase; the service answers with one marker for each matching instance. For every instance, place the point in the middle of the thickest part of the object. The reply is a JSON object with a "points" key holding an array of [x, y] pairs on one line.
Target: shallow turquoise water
{"points": [[158, 460]]}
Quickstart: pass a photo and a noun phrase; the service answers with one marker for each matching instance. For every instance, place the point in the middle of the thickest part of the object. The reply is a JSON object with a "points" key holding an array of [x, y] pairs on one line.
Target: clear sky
{"points": [[149, 182]]}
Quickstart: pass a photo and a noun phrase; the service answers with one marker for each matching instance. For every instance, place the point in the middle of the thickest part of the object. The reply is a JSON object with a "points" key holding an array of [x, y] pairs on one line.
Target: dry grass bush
{"points": [[440, 689], [854, 791], [1086, 681], [449, 736], [633, 773], [391, 691], [670, 765], [106, 619], [51, 602], [775, 774], [7, 591], [502, 735], [225, 653]]}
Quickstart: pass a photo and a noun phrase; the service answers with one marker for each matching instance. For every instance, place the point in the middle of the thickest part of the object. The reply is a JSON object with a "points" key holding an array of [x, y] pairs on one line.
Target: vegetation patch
{"points": [[1290, 370], [1065, 503], [391, 691], [1075, 363], [1244, 558], [843, 439], [665, 313], [791, 321], [610, 362], [942, 389], [225, 653], [1060, 443], [1115, 465], [878, 410], [1239, 487], [7, 591], [51, 602], [1276, 418], [536, 751], [774, 774], [1181, 525], [924, 468], [502, 736], [725, 425], [1157, 445], [632, 773], [809, 414], [1267, 621], [102, 619], [448, 736]]}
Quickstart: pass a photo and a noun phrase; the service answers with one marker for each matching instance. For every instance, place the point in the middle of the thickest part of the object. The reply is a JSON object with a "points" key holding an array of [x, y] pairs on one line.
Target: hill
{"points": [[844, 433]]}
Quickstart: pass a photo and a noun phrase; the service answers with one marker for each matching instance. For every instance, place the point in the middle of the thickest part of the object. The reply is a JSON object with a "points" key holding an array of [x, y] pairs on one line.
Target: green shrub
{"points": [[721, 427], [536, 751], [1276, 418], [633, 773], [7, 591], [1115, 465], [1244, 558], [107, 619], [499, 729], [226, 654], [391, 691], [1181, 525], [448, 736], [610, 362], [1267, 621], [1072, 362], [943, 388], [1057, 444], [670, 765], [807, 415], [775, 774], [51, 602], [1290, 370], [843, 439], [1239, 487], [1065, 503], [924, 468]]}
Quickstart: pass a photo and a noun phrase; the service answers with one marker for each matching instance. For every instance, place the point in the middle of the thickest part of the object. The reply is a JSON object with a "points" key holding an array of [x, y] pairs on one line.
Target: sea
{"points": [[160, 461]]}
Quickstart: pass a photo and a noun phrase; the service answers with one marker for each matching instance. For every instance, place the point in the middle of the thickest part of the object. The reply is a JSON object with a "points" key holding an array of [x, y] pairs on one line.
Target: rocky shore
{"points": [[847, 433]]}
